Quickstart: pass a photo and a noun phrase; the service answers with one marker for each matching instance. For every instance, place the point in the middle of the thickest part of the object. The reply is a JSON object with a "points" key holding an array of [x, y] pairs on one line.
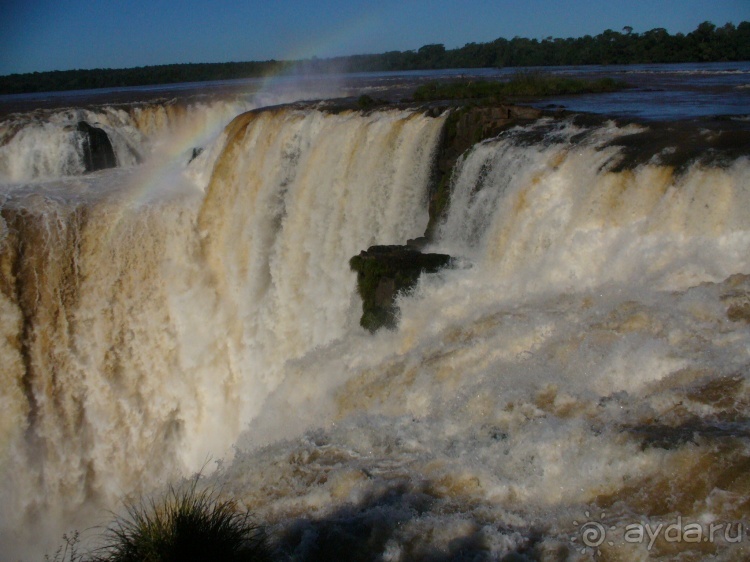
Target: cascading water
{"points": [[576, 386], [584, 361], [142, 332], [554, 216], [46, 144]]}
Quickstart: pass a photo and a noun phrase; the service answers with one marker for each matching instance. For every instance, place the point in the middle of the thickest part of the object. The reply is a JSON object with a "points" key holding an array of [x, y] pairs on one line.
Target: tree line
{"points": [[707, 43]]}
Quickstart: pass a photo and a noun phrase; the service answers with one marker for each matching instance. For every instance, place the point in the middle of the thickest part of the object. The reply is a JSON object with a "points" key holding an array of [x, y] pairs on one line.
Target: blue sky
{"points": [[39, 35]]}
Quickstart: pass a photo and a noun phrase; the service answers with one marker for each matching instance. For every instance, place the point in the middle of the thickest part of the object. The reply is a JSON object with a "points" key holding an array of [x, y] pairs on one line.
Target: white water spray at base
{"points": [[143, 332], [589, 356]]}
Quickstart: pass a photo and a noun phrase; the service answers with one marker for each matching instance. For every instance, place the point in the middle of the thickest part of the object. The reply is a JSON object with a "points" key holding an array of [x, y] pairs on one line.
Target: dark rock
{"points": [[668, 437], [197, 151], [385, 271], [682, 144], [417, 243], [98, 153]]}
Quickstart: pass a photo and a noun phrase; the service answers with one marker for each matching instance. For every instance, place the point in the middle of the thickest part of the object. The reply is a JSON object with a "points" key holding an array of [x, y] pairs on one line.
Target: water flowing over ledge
{"points": [[140, 334], [588, 352]]}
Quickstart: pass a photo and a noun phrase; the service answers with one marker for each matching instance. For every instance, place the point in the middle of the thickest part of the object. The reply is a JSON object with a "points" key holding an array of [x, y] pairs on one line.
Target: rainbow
{"points": [[164, 172]]}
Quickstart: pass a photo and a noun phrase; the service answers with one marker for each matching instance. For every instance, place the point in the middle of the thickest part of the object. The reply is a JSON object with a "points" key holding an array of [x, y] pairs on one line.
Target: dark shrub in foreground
{"points": [[185, 525]]}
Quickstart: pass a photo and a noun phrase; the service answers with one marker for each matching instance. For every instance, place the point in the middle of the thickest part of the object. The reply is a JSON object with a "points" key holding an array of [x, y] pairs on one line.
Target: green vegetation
{"points": [[366, 102], [522, 84], [140, 76], [707, 43], [439, 204], [187, 524], [385, 271]]}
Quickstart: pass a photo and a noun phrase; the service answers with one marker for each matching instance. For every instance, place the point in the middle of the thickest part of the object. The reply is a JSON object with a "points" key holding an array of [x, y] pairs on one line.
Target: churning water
{"points": [[582, 367]]}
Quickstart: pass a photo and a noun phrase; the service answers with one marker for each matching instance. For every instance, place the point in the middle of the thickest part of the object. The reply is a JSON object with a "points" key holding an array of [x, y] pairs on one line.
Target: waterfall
{"points": [[142, 331], [45, 144], [582, 366], [584, 360], [561, 216]]}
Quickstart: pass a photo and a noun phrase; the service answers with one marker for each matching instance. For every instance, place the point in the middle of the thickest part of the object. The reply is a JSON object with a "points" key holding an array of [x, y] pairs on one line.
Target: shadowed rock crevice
{"points": [[374, 529], [98, 153]]}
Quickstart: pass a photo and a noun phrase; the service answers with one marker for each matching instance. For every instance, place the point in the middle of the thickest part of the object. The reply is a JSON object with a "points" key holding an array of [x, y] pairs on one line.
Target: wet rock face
{"points": [[98, 153], [385, 271], [464, 127], [682, 144], [469, 125]]}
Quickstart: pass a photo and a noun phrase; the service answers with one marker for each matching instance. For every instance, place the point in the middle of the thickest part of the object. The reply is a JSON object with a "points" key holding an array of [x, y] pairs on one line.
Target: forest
{"points": [[707, 43]]}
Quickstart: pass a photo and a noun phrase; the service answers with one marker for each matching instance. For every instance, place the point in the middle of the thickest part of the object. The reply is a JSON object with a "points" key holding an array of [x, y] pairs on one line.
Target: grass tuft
{"points": [[187, 524], [67, 552]]}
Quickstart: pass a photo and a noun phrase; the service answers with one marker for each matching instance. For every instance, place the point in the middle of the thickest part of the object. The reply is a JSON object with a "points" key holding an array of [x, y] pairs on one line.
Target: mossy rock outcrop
{"points": [[385, 271]]}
